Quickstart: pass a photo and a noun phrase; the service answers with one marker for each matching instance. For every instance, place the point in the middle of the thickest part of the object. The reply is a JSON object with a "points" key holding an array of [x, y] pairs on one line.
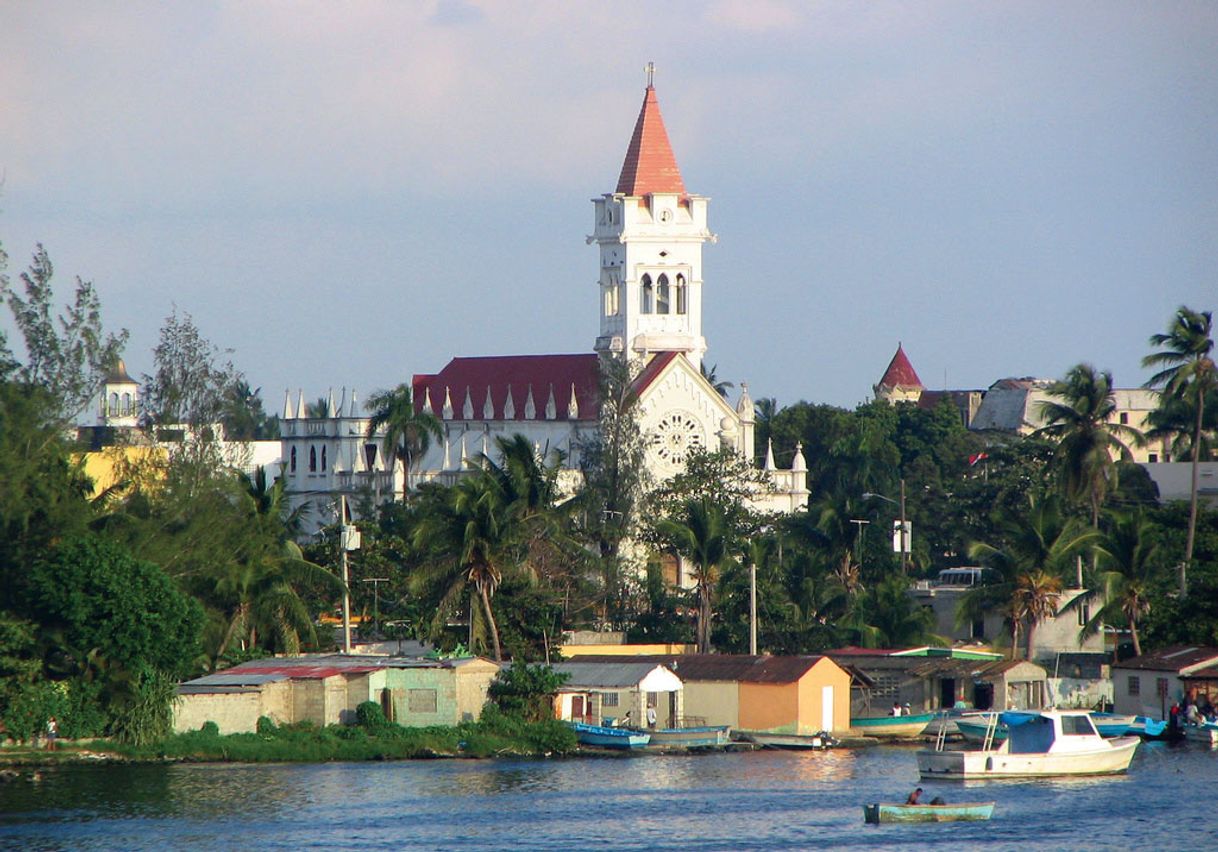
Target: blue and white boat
{"points": [[1148, 728], [605, 737], [977, 728]]}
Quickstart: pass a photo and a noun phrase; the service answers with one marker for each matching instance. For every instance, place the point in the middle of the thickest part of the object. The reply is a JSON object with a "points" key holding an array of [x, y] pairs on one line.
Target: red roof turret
{"points": [[900, 373], [650, 165]]}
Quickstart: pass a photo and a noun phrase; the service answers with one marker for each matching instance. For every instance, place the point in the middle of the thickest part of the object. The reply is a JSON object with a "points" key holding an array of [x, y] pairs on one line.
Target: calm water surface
{"points": [[761, 800]]}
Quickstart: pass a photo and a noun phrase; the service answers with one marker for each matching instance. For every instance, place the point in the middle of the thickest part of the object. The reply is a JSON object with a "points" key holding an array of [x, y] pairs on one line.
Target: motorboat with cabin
{"points": [[1044, 744]]}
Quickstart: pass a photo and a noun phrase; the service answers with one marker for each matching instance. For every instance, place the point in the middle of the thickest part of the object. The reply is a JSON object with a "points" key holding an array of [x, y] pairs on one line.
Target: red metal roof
{"points": [[900, 373], [650, 165], [652, 370], [723, 667], [514, 374]]}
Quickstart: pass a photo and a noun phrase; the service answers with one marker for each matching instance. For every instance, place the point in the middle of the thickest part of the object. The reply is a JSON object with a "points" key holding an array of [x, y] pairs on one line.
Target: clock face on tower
{"points": [[676, 435]]}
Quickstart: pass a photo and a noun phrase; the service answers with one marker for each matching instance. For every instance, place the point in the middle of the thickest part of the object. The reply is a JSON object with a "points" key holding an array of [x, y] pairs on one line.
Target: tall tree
{"points": [[408, 432], [721, 386], [68, 354], [1187, 371], [700, 534], [1033, 546], [1086, 439], [192, 383], [1129, 558]]}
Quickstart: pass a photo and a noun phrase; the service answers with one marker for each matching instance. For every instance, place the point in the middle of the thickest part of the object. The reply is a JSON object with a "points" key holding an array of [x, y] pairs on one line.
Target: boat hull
{"points": [[1148, 728], [1113, 759], [602, 737], [818, 741], [707, 736], [1203, 734], [880, 812], [890, 726]]}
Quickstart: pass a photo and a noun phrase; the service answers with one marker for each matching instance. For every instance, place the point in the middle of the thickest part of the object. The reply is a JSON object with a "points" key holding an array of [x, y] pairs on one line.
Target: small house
{"points": [[608, 690], [1148, 685]]}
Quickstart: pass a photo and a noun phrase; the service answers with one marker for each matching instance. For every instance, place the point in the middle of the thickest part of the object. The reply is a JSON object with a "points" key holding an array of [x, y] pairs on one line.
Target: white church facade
{"points": [[649, 233]]}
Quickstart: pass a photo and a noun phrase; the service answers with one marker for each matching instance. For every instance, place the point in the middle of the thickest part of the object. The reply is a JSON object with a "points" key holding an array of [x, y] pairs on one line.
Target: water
{"points": [[761, 800]]}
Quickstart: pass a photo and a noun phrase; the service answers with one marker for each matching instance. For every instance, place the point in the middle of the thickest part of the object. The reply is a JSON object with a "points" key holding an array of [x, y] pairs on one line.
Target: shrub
{"points": [[369, 715], [210, 729], [266, 726], [526, 691]]}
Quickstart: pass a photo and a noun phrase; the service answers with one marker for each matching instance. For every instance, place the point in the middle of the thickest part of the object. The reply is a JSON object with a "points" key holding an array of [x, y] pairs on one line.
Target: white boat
{"points": [[1206, 734], [1051, 743]]}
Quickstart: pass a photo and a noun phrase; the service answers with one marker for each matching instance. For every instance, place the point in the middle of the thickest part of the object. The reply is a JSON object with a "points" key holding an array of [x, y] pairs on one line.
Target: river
{"points": [[760, 800]]}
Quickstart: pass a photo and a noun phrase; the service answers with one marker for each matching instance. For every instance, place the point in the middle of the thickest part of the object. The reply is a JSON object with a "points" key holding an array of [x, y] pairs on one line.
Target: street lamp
{"points": [[900, 504]]}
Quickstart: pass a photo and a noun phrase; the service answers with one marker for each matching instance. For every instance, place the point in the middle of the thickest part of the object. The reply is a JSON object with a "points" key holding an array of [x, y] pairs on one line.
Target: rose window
{"points": [[676, 435]]}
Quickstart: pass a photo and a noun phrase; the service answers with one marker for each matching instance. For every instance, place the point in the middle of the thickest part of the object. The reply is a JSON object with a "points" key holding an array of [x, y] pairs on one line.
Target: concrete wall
{"points": [[718, 702], [770, 707], [235, 713], [1146, 701], [473, 681], [811, 692]]}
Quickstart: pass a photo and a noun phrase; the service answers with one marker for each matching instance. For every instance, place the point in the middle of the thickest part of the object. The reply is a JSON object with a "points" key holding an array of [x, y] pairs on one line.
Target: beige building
{"points": [[326, 690], [1148, 685]]}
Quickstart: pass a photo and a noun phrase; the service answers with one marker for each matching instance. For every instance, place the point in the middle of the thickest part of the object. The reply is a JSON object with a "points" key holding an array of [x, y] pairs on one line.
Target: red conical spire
{"points": [[900, 373], [650, 165]]}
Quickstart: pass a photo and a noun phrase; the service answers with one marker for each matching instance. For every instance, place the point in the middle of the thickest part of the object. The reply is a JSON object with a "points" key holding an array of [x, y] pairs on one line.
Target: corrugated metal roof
{"points": [[969, 668], [614, 672], [727, 667], [230, 678], [1171, 659]]}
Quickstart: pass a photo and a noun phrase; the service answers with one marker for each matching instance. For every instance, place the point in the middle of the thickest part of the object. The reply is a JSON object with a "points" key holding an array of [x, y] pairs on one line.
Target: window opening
{"points": [[292, 465], [312, 459], [681, 303], [645, 296], [323, 458], [662, 295]]}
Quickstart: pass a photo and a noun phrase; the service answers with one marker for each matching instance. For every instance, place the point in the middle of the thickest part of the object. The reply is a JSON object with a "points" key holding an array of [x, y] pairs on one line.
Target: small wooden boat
{"points": [[701, 736], [893, 727], [1148, 728], [604, 737], [1206, 734], [1052, 743], [818, 741], [882, 812]]}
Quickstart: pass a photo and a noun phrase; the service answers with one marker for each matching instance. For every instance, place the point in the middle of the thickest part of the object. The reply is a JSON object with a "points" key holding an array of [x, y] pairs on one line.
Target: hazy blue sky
{"points": [[348, 193]]}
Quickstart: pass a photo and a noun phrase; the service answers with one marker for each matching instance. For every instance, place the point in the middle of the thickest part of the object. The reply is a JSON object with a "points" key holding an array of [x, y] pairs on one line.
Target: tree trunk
{"points": [[1014, 640], [490, 619], [1030, 646], [704, 618], [1133, 634], [1192, 508]]}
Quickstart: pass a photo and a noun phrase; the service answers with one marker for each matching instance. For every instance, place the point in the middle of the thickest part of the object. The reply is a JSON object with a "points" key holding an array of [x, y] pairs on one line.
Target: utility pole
{"points": [[904, 533], [376, 600], [858, 539], [348, 540]]}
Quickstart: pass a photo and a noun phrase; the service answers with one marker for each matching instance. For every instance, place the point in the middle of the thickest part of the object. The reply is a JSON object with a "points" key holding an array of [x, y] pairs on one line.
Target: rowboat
{"points": [[1206, 734], [603, 737], [1148, 728], [890, 726], [818, 741], [1051, 743], [882, 812], [701, 736]]}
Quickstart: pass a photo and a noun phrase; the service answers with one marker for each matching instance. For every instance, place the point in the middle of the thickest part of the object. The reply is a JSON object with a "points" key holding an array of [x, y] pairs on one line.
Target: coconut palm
{"points": [[1173, 422], [887, 617], [1086, 440], [1188, 371], [408, 432], [1128, 556], [721, 386], [1034, 545], [1033, 601], [701, 536]]}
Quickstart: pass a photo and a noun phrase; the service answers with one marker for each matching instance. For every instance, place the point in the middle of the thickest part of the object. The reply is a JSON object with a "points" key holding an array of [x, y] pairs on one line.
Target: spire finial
{"points": [[651, 73]]}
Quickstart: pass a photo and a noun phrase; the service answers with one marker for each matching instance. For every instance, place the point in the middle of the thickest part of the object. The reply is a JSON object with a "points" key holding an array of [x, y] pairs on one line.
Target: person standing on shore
{"points": [[52, 733]]}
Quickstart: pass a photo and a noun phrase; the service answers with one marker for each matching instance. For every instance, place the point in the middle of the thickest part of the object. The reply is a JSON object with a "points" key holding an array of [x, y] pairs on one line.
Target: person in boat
{"points": [[896, 709], [914, 796], [625, 721], [651, 717]]}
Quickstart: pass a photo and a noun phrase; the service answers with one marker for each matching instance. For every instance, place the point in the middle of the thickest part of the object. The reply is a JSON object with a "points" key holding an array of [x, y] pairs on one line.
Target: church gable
{"points": [[681, 412]]}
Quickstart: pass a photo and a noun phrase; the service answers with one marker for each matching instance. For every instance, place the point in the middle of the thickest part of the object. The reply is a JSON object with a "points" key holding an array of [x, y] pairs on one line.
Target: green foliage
{"points": [[28, 706], [370, 715], [190, 385], [142, 713], [525, 691], [210, 729], [102, 603], [66, 355]]}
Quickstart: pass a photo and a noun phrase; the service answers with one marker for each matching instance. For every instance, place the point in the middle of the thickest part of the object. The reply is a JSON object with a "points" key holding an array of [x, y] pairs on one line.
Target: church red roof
{"points": [[650, 165], [516, 375], [900, 372]]}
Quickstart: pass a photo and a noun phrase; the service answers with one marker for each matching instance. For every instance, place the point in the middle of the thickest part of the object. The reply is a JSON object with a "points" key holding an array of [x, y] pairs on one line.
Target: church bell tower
{"points": [[650, 233]]}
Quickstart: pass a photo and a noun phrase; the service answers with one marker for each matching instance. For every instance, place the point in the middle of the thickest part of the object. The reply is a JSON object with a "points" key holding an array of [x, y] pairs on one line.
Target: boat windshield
{"points": [[1077, 726]]}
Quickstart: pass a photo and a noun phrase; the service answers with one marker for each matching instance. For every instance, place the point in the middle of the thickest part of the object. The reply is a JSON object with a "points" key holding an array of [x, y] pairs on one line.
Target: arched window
{"points": [[127, 405], [646, 295], [323, 458], [312, 459], [681, 297], [113, 404], [292, 462], [662, 295]]}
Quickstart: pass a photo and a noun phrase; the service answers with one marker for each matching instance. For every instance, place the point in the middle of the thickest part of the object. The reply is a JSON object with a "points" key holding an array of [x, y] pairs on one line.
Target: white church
{"points": [[649, 233]]}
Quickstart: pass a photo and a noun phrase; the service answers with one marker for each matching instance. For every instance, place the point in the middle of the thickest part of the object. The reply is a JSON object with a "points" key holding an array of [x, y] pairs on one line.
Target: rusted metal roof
{"points": [[976, 669], [727, 667], [1175, 658]]}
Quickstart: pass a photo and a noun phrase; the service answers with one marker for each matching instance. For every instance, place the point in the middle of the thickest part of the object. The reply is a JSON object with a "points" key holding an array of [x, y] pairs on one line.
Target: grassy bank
{"points": [[491, 737]]}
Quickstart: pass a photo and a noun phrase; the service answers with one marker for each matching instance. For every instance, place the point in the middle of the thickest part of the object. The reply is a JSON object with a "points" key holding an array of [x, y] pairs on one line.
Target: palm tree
{"points": [[887, 617], [721, 386], [1128, 553], [408, 433], [1173, 422], [1034, 545], [1035, 600], [1188, 371], [1086, 440], [467, 534], [701, 536]]}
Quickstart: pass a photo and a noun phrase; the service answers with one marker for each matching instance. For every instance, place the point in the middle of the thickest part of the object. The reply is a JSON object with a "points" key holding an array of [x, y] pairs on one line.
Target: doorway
{"points": [[947, 693]]}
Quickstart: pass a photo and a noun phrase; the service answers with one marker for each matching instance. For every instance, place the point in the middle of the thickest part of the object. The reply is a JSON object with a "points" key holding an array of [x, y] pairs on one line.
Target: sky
{"points": [[345, 194]]}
